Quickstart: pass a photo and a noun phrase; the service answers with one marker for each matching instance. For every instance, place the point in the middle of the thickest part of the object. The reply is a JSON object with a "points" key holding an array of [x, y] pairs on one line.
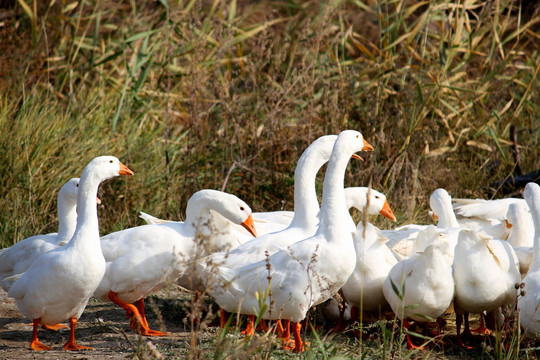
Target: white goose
{"points": [[421, 287], [306, 209], [58, 285], [145, 259], [480, 214], [18, 258], [309, 271], [374, 259], [414, 238], [521, 225], [486, 271], [302, 223], [528, 304]]}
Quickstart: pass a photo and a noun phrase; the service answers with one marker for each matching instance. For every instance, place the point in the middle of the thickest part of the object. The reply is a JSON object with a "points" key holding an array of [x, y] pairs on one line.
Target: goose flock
{"points": [[482, 257]]}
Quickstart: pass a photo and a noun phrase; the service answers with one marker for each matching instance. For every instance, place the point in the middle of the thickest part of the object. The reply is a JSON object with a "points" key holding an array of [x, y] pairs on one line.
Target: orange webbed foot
{"points": [[71, 346], [38, 346]]}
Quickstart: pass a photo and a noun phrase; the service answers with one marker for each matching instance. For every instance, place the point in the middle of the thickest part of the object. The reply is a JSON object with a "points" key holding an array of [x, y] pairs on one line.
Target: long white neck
{"points": [[447, 218], [306, 205], [87, 219], [334, 209], [198, 205], [67, 219]]}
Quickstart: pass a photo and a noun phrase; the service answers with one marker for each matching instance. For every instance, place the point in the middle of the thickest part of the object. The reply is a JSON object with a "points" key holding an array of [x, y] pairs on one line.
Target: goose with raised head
{"points": [[145, 259], [58, 285], [528, 303], [18, 258], [309, 271], [486, 271], [306, 209]]}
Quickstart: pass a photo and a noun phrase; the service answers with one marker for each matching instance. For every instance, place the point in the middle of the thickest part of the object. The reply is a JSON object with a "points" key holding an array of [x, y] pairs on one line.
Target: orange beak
{"points": [[124, 170], [357, 157], [435, 217], [367, 147], [249, 226], [387, 212], [508, 225]]}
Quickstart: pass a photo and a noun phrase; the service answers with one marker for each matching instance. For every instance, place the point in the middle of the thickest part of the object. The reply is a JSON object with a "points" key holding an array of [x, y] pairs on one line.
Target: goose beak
{"points": [[435, 217], [367, 147], [124, 170], [357, 157], [249, 226], [508, 225], [98, 201], [387, 212]]}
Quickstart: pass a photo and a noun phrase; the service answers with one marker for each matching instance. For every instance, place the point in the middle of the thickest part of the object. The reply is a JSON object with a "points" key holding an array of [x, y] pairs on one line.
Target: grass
{"points": [[227, 95]]}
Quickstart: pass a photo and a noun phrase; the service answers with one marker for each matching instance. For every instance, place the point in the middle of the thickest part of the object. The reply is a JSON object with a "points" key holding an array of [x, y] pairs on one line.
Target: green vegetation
{"points": [[227, 95]]}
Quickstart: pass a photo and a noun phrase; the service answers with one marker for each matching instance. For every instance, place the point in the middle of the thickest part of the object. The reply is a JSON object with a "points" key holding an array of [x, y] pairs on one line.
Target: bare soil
{"points": [[102, 326], [105, 328]]}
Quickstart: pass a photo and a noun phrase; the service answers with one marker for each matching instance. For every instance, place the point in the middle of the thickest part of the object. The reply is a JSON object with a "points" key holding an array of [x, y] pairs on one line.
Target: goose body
{"points": [[145, 259], [485, 215], [374, 259], [427, 284], [528, 302], [58, 285], [486, 272], [309, 271], [18, 258]]}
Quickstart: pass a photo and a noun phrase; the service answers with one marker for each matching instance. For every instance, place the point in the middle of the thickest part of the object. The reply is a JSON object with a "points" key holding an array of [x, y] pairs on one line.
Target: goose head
{"points": [[357, 197], [227, 205], [68, 192], [105, 167], [441, 205]]}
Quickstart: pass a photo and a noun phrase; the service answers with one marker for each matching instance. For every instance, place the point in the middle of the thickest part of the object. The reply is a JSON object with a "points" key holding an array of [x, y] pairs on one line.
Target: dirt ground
{"points": [[105, 327], [102, 326]]}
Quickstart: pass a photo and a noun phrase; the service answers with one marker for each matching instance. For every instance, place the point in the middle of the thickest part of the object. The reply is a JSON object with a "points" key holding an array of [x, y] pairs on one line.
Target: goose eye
{"points": [[241, 208], [77, 185], [377, 196], [111, 161]]}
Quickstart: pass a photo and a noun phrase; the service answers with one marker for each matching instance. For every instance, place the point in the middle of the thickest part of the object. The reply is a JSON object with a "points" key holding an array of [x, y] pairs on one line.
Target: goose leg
{"points": [[459, 321], [140, 306], [286, 335], [249, 330], [298, 344], [70, 345], [36, 344], [482, 329], [410, 344], [136, 321], [223, 318]]}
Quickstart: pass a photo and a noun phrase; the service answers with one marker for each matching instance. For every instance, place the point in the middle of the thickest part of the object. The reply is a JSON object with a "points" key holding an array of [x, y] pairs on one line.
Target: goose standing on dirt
{"points": [[486, 271], [18, 258], [145, 259], [528, 304], [289, 282], [58, 285]]}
